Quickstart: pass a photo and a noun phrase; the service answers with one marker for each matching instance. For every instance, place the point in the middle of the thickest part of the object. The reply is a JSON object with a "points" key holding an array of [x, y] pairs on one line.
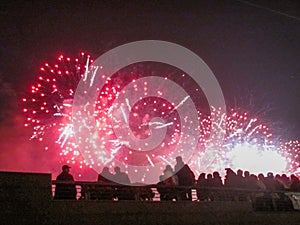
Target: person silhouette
{"points": [[105, 190], [67, 189], [168, 177], [186, 177], [120, 177], [166, 186], [122, 191]]}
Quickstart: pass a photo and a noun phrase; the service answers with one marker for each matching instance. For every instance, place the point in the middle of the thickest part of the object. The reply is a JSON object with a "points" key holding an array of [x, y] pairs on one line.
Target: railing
{"points": [[115, 192], [260, 199]]}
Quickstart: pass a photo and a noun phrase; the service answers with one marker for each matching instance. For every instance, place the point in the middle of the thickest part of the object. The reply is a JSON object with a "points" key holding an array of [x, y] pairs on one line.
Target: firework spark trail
{"points": [[118, 142], [238, 131], [68, 130], [115, 150], [149, 160], [67, 105], [112, 154], [151, 123], [127, 103], [93, 76], [180, 104], [110, 109], [33, 136], [60, 114], [219, 126], [164, 125], [85, 106], [249, 124], [86, 69], [124, 115], [221, 121], [165, 160], [253, 130]]}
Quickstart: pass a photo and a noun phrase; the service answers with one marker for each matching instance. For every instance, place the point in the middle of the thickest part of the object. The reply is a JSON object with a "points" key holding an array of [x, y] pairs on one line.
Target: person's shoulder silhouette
{"points": [[121, 177], [184, 173], [65, 175], [105, 176]]}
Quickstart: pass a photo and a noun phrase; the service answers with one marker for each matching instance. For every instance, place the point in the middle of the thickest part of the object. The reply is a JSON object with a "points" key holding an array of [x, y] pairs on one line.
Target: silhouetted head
{"points": [[270, 174], [216, 174], [168, 168], [105, 170], [179, 159], [65, 168], [229, 171], [246, 174], [253, 177], [239, 173], [202, 176], [261, 176], [117, 169], [277, 177], [284, 177], [294, 178]]}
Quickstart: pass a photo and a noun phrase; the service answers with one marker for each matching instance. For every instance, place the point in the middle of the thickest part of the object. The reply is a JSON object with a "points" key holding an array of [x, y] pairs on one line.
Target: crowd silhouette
{"points": [[177, 184]]}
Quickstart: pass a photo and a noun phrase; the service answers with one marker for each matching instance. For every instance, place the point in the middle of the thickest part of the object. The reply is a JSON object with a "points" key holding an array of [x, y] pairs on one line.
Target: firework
{"points": [[48, 105], [291, 150], [138, 126], [48, 109], [246, 144], [137, 122]]}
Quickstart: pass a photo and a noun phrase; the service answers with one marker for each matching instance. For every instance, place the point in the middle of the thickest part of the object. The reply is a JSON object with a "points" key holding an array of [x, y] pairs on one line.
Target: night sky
{"points": [[253, 50]]}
